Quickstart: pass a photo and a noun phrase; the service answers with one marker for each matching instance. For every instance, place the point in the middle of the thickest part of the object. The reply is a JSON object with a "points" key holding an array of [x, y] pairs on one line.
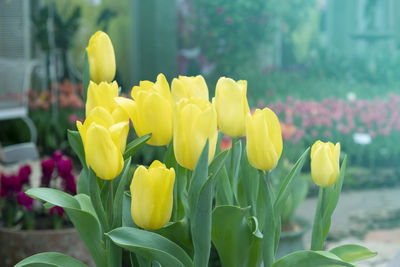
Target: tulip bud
{"points": [[152, 111], [264, 139], [325, 163], [195, 121], [104, 142], [152, 195], [232, 107], [189, 87], [101, 58]]}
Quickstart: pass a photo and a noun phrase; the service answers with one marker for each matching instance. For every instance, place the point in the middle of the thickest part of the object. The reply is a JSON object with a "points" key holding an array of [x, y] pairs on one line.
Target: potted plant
{"points": [[26, 227]]}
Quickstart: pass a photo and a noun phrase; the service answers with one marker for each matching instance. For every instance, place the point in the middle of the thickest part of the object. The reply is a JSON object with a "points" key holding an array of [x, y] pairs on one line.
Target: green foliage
{"points": [[306, 258], [229, 32], [51, 259], [352, 253], [151, 246]]}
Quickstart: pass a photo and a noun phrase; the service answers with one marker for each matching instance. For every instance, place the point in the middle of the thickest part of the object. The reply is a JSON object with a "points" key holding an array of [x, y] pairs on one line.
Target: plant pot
{"points": [[292, 241], [18, 244]]}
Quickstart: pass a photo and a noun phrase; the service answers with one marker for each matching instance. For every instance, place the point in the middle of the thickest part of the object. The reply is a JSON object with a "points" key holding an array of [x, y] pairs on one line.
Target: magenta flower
{"points": [[57, 155], [47, 171], [9, 185], [24, 173], [64, 167], [59, 210], [24, 200]]}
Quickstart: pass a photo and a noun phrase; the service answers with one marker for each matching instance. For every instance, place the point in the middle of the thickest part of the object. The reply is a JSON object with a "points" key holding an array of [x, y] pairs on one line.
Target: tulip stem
{"points": [[317, 239], [269, 224], [233, 169]]}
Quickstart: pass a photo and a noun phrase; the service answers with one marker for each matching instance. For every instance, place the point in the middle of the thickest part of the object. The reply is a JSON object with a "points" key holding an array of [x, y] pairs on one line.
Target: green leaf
{"points": [[169, 158], [75, 141], [285, 186], [201, 225], [307, 258], [234, 163], [232, 240], [151, 246], [86, 76], [89, 230], [50, 259], [333, 192], [269, 230], [199, 177], [126, 210], [117, 209], [181, 208], [200, 204], [217, 163], [250, 183], [97, 201], [179, 233], [134, 145], [82, 217], [86, 204], [255, 256], [54, 196], [352, 253], [83, 182], [224, 193]]}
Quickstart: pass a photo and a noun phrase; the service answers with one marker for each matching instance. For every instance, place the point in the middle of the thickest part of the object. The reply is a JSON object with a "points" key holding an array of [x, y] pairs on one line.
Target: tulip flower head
{"points": [[264, 139], [152, 195], [101, 58], [231, 105], [325, 163], [153, 110], [104, 142], [189, 87], [195, 121], [105, 95]]}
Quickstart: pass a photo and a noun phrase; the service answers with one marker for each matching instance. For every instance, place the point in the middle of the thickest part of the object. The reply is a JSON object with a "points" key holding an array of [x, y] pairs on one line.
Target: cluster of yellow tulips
{"points": [[190, 201], [184, 114]]}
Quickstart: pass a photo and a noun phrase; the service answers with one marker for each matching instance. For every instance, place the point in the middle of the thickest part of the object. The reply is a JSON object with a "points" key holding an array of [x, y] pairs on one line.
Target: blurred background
{"points": [[330, 69]]}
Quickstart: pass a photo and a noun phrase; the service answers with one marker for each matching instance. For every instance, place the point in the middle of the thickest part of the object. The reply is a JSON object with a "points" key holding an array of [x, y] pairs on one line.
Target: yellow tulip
{"points": [[152, 111], [152, 195], [101, 58], [105, 95], [189, 87], [104, 142], [264, 139], [325, 163], [232, 107], [195, 121]]}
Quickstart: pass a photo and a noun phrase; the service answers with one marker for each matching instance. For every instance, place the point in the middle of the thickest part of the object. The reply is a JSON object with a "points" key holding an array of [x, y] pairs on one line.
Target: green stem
{"points": [[112, 250], [317, 239], [232, 171], [269, 225]]}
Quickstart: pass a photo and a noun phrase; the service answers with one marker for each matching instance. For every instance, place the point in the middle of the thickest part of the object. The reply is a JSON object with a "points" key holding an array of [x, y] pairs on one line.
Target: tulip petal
{"points": [[158, 112], [119, 133], [102, 155]]}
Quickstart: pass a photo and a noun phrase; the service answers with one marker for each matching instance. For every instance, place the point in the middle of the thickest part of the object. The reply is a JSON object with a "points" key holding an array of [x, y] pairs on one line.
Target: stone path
{"points": [[370, 218]]}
